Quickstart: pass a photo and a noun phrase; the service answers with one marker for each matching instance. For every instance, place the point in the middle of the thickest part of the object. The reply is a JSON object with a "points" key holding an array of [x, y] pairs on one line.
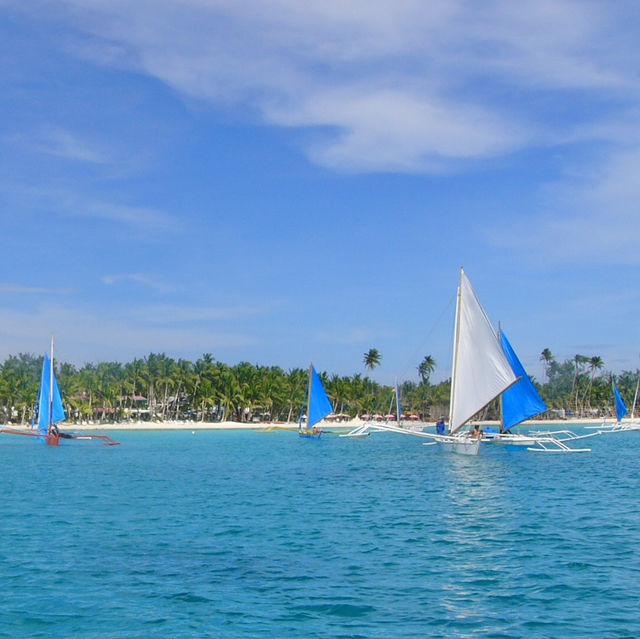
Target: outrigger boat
{"points": [[317, 404], [364, 430], [621, 412], [50, 412], [482, 371]]}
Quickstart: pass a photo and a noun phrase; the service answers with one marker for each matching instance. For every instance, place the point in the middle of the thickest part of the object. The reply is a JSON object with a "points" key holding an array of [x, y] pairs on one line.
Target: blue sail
{"points": [[621, 409], [522, 400], [319, 404], [45, 395]]}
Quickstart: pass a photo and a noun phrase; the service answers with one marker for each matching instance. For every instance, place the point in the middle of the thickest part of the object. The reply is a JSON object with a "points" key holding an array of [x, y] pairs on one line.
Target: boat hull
{"points": [[310, 434], [52, 440], [461, 446]]}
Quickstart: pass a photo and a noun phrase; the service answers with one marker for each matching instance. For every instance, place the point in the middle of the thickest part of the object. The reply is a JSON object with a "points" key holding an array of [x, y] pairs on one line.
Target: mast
{"points": [[500, 398], [51, 388], [309, 393], [456, 338], [635, 397]]}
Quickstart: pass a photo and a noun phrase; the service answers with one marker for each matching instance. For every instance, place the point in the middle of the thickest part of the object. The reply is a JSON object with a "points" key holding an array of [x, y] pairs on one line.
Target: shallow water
{"points": [[244, 534]]}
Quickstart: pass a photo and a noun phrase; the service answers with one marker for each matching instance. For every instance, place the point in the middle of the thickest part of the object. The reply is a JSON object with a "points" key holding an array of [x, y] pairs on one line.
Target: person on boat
{"points": [[53, 430], [440, 426], [476, 433]]}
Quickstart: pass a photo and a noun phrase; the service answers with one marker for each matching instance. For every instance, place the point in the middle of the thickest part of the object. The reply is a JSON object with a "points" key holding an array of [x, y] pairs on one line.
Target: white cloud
{"points": [[593, 215], [396, 130], [399, 86]]}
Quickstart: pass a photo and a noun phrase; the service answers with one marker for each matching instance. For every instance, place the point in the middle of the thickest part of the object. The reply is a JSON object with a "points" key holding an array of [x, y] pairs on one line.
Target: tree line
{"points": [[158, 387]]}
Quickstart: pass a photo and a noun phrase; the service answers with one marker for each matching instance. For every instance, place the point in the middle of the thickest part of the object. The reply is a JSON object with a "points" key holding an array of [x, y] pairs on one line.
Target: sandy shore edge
{"points": [[347, 425]]}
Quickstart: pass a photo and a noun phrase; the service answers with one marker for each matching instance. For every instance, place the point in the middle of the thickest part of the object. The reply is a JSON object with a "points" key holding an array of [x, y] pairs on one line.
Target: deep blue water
{"points": [[244, 534]]}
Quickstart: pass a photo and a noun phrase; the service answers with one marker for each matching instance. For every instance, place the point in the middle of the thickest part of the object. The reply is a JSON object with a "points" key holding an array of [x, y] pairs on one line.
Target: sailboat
{"points": [[480, 373], [50, 411], [317, 404], [621, 412]]}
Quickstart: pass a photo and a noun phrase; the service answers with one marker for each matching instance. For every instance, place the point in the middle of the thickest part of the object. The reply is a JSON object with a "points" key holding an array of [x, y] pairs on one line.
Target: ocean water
{"points": [[245, 534]]}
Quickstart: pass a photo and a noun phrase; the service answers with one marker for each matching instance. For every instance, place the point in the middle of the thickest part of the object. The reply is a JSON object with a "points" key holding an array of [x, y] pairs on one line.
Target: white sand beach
{"points": [[325, 425]]}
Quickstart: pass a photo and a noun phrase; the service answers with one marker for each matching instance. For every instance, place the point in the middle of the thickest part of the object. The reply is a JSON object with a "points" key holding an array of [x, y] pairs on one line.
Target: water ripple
{"points": [[245, 535]]}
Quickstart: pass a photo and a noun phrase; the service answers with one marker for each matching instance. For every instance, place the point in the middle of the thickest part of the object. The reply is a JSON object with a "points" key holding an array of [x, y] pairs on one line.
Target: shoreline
{"points": [[264, 426]]}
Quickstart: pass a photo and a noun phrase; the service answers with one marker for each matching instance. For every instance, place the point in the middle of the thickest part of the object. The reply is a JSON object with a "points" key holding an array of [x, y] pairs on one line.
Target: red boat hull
{"points": [[52, 440]]}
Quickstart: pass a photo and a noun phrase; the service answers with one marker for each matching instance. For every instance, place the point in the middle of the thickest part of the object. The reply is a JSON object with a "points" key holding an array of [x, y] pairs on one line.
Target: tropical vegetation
{"points": [[158, 387]]}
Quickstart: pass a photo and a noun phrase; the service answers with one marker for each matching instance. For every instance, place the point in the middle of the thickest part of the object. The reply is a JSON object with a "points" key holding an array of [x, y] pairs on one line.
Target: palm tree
{"points": [[427, 366], [372, 358], [579, 360], [595, 363], [547, 357]]}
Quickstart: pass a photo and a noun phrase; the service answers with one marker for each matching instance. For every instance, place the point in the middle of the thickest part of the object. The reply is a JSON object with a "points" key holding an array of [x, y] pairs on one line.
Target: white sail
{"points": [[481, 371]]}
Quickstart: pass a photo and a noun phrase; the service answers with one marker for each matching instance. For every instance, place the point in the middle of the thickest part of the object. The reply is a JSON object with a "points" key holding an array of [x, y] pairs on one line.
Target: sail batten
{"points": [[481, 371], [522, 400]]}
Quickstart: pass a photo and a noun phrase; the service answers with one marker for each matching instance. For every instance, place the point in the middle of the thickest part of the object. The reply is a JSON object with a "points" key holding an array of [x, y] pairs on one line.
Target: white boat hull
{"points": [[461, 445]]}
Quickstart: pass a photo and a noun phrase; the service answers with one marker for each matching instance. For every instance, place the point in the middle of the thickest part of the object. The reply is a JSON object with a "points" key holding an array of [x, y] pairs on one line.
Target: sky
{"points": [[280, 182]]}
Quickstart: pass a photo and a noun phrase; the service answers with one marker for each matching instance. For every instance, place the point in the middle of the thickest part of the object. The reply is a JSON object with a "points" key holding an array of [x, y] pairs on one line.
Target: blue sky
{"points": [[279, 182]]}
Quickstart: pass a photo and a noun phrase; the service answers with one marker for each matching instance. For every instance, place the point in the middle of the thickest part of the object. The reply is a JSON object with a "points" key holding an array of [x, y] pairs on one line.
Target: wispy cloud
{"points": [[87, 335], [147, 222], [390, 86], [593, 214], [140, 279], [140, 217], [170, 314], [7, 287], [67, 145]]}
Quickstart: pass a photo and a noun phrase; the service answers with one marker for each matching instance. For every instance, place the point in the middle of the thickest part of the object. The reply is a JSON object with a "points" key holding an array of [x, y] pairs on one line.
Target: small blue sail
{"points": [[57, 410], [522, 400], [319, 404], [621, 409]]}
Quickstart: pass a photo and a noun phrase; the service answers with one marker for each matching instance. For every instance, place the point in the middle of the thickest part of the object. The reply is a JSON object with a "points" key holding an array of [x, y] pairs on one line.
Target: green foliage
{"points": [[158, 387]]}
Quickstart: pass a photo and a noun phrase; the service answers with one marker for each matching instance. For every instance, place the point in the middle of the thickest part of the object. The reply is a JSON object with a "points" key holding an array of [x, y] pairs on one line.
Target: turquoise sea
{"points": [[245, 534]]}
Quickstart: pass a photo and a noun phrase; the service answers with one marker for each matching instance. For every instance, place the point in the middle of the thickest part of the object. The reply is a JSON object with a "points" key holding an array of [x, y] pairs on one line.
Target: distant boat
{"points": [[50, 411], [621, 413], [317, 405]]}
